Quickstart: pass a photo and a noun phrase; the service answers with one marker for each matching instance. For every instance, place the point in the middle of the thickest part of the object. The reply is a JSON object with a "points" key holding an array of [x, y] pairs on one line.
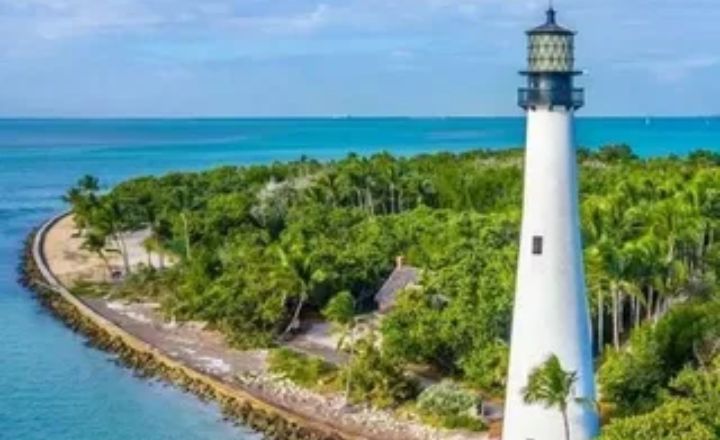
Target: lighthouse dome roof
{"points": [[550, 26]]}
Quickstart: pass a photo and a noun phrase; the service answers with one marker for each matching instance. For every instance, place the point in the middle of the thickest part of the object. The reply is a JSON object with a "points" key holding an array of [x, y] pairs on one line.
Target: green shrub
{"points": [[633, 379], [306, 371], [485, 367], [447, 398], [448, 405], [377, 378], [675, 420]]}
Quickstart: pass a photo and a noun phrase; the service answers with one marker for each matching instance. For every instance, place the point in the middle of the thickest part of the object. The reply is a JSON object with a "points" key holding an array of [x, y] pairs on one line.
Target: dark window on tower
{"points": [[537, 245]]}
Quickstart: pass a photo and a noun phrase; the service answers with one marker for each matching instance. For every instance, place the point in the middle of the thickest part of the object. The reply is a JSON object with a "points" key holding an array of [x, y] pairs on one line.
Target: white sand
{"points": [[70, 263]]}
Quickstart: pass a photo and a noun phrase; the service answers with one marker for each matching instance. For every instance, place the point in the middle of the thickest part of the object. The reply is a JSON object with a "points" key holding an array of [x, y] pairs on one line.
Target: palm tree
{"points": [[389, 176], [89, 183], [617, 271], [596, 283], [552, 386], [341, 312], [94, 242], [161, 236], [109, 220], [351, 181], [298, 261], [594, 233], [182, 201], [83, 200], [326, 189]]}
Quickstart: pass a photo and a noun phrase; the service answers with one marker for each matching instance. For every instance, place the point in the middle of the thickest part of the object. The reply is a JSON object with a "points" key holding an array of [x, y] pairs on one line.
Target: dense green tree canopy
{"points": [[259, 248]]}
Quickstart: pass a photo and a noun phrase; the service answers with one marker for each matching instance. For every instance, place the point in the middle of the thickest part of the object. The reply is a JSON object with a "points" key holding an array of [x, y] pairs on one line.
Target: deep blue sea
{"points": [[53, 387]]}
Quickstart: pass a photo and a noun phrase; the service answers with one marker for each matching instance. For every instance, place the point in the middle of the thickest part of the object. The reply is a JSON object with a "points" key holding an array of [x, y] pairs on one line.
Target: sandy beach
{"points": [[70, 263]]}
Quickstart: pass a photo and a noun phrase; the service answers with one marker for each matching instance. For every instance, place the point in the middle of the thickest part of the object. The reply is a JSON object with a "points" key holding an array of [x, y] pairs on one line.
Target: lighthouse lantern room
{"points": [[551, 68]]}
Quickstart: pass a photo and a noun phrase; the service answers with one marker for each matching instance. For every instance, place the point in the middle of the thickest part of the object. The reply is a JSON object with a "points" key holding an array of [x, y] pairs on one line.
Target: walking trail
{"points": [[207, 351]]}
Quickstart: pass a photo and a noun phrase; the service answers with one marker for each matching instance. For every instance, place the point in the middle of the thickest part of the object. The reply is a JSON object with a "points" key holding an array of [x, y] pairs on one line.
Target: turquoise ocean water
{"points": [[54, 387]]}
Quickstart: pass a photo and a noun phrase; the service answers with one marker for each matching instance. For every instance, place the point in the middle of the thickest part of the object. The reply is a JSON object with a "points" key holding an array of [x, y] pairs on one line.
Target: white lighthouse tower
{"points": [[551, 315]]}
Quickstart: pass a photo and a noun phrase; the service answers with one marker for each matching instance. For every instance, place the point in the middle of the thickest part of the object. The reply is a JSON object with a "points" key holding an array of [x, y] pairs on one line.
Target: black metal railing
{"points": [[534, 97]]}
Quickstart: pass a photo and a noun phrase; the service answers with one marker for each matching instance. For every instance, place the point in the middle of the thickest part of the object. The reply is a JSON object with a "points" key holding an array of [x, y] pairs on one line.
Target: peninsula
{"points": [[254, 275]]}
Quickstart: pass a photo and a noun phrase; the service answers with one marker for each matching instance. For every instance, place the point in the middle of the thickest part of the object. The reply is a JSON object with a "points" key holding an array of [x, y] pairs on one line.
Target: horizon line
{"points": [[334, 117]]}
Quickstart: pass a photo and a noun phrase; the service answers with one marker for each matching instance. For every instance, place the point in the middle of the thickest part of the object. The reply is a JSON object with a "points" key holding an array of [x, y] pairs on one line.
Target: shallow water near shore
{"points": [[54, 387]]}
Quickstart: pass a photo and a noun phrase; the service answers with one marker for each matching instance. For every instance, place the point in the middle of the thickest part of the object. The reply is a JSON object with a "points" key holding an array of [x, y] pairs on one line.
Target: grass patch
{"points": [[89, 289], [465, 422], [306, 371]]}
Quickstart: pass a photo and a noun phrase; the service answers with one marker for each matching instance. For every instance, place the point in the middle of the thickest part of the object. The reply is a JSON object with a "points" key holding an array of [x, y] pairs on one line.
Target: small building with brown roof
{"points": [[403, 276]]}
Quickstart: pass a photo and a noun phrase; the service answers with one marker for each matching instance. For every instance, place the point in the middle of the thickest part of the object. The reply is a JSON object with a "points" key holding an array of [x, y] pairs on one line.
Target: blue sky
{"points": [[340, 57]]}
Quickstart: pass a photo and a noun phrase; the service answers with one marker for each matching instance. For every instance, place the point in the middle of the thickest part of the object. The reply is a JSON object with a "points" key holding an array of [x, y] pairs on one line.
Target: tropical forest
{"points": [[256, 251]]}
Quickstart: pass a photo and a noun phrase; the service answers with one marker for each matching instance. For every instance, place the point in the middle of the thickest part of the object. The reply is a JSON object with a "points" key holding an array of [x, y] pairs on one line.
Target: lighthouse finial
{"points": [[551, 13]]}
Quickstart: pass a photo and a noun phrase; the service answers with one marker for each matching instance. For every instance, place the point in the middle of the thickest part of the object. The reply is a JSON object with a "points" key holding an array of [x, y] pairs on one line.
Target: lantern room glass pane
{"points": [[550, 53]]}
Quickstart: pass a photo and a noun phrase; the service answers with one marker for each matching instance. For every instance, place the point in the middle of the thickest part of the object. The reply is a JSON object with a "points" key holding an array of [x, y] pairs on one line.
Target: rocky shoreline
{"points": [[273, 425]]}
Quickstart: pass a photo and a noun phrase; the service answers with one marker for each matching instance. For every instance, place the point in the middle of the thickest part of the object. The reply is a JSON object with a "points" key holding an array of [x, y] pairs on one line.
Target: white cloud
{"points": [[136, 41], [59, 19], [301, 22], [670, 69], [29, 23]]}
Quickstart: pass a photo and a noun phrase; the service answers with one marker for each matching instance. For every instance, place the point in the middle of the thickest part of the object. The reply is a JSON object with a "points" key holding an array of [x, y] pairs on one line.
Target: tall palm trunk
{"points": [[601, 323], [348, 382], [636, 311], [616, 317], [120, 242], [186, 232], [105, 261], [296, 316], [711, 236], [369, 198], [658, 308], [566, 423], [621, 313], [391, 189]]}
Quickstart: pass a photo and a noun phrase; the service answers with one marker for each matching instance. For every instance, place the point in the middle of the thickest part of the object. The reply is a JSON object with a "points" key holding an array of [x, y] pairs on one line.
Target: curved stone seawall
{"points": [[274, 422]]}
